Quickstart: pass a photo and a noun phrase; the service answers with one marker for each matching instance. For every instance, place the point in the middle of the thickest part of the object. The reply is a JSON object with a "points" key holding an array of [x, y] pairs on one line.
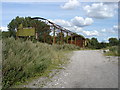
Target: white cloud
{"points": [[71, 4], [81, 22], [103, 30], [4, 28], [112, 30], [115, 27], [34, 0], [76, 21], [57, 0], [112, 4], [91, 33], [80, 30], [76, 25], [75, 29], [100, 10], [62, 22]]}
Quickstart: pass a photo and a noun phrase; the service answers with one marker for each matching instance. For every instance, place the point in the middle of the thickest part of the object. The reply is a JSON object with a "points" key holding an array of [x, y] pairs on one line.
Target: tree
{"points": [[41, 28], [88, 43], [113, 41], [5, 34], [102, 45], [94, 43], [14, 24]]}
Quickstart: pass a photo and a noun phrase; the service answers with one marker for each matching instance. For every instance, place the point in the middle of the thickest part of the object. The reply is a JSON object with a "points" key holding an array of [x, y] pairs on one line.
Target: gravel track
{"points": [[87, 69]]}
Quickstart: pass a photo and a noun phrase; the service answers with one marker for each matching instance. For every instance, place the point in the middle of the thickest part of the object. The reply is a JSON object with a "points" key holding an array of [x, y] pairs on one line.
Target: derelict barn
{"points": [[77, 40], [71, 37]]}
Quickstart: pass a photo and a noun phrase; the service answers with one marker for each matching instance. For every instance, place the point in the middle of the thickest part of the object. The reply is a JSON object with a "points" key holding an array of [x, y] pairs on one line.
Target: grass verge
{"points": [[24, 60], [113, 51]]}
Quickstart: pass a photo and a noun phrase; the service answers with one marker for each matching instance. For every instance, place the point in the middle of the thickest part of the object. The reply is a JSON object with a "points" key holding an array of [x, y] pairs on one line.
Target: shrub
{"points": [[113, 51], [65, 47], [24, 59]]}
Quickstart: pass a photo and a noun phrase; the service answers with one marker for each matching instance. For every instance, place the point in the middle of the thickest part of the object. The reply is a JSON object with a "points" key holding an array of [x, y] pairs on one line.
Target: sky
{"points": [[90, 19]]}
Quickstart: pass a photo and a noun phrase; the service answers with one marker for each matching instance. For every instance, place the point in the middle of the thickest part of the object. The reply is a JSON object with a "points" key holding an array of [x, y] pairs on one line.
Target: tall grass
{"points": [[25, 59], [113, 51], [66, 47]]}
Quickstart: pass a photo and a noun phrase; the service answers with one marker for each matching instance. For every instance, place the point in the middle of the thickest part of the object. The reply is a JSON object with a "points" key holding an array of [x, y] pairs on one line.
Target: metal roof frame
{"points": [[56, 26]]}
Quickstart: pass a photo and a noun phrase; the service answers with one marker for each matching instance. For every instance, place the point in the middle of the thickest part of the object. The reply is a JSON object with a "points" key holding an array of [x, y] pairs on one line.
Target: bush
{"points": [[0, 34], [66, 47], [24, 59], [113, 51], [5, 34]]}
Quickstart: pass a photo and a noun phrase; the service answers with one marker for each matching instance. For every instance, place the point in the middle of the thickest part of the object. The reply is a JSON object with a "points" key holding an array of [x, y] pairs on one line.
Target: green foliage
{"points": [[94, 44], [0, 34], [113, 51], [22, 60], [5, 34], [66, 47], [113, 41], [60, 37], [40, 26], [102, 45]]}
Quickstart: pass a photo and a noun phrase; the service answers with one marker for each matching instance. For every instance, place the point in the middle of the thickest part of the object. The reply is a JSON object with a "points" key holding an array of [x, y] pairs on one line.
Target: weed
{"points": [[25, 59]]}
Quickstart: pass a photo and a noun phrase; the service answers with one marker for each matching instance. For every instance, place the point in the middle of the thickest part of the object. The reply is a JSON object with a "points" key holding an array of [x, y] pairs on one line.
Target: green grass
{"points": [[24, 59], [65, 47], [113, 51], [0, 34]]}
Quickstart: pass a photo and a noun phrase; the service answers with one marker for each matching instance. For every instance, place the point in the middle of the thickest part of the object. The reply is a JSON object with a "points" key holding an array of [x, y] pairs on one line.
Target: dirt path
{"points": [[87, 69]]}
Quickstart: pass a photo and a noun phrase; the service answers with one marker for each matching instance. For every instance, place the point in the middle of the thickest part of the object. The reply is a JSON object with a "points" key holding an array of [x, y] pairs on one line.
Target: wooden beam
{"points": [[84, 43], [61, 37], [54, 35], [36, 36], [67, 37], [51, 40], [71, 39], [44, 37], [75, 41]]}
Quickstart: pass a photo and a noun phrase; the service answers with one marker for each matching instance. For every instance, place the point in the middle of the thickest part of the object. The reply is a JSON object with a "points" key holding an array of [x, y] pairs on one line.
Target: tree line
{"points": [[42, 29], [93, 43]]}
